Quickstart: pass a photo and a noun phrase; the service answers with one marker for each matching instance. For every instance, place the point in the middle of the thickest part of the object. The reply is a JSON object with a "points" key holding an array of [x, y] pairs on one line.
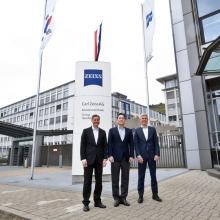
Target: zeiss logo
{"points": [[92, 77]]}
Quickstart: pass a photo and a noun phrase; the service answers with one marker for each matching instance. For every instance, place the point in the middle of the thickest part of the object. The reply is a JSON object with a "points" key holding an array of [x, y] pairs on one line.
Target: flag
{"points": [[48, 22], [148, 26], [97, 38]]}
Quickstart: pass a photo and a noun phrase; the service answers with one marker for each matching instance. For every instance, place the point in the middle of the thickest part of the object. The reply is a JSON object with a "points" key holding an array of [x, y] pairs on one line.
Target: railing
{"points": [[217, 147], [172, 154]]}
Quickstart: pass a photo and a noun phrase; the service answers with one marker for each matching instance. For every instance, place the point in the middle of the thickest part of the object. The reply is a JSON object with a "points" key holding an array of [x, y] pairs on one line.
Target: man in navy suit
{"points": [[93, 153], [147, 152], [121, 153]]}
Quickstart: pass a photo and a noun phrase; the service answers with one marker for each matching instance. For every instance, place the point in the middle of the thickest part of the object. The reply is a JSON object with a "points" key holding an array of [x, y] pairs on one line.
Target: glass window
{"points": [[41, 100], [170, 95], [64, 118], [58, 108], [46, 111], [57, 119], [66, 92], [53, 96], [22, 118], [52, 109], [65, 106], [26, 117], [40, 123], [170, 84], [51, 121], [172, 118], [211, 27], [41, 112], [171, 107], [47, 98], [59, 94], [18, 118], [32, 104], [46, 122], [207, 6], [31, 115]]}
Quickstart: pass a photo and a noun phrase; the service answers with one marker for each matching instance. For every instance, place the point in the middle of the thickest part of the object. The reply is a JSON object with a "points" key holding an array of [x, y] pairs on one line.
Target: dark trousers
{"points": [[87, 185], [141, 176], [116, 167]]}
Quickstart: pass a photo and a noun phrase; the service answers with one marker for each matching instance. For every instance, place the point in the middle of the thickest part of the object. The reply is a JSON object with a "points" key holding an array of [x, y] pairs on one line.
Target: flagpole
{"points": [[36, 116], [146, 60]]}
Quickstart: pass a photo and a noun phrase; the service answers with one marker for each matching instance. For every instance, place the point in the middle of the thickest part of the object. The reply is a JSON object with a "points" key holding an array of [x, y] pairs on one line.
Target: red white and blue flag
{"points": [[98, 38], [48, 22]]}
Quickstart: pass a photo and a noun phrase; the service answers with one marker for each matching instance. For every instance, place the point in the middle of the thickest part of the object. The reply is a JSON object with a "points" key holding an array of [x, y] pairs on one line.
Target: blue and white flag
{"points": [[148, 26], [48, 22]]}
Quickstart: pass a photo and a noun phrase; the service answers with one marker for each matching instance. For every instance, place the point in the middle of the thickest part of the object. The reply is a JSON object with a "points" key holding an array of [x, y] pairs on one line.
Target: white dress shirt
{"points": [[145, 130], [95, 133], [121, 131]]}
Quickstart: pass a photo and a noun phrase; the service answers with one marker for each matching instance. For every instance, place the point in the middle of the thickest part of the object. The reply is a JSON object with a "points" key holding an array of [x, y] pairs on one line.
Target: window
{"points": [[41, 100], [41, 112], [18, 118], [26, 117], [40, 123], [14, 119], [23, 107], [57, 119], [170, 84], [47, 98], [171, 107], [58, 108], [66, 92], [170, 95], [64, 118], [172, 118], [207, 6], [209, 19], [15, 110], [52, 109], [32, 104], [65, 106], [22, 118], [31, 115], [51, 121], [46, 111], [46, 122], [53, 96], [27, 106], [59, 94]]}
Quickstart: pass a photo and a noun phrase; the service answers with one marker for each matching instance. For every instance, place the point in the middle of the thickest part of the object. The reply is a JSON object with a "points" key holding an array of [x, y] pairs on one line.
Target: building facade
{"points": [[56, 112], [196, 24], [172, 103]]}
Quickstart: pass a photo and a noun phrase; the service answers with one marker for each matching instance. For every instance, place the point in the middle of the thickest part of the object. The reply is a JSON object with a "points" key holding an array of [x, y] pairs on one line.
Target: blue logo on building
{"points": [[92, 77]]}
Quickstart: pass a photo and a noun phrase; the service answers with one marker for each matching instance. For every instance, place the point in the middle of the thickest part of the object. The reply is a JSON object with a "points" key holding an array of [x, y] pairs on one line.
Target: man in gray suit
{"points": [[147, 152]]}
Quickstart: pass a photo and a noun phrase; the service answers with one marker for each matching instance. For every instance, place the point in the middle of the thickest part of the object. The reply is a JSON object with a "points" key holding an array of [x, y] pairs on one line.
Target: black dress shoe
{"points": [[140, 199], [116, 203], [125, 202], [156, 198], [100, 205], [86, 208]]}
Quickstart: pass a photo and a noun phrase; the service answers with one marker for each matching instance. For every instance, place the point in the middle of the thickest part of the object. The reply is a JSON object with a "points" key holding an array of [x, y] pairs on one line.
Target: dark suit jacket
{"points": [[91, 151], [146, 148], [120, 149]]}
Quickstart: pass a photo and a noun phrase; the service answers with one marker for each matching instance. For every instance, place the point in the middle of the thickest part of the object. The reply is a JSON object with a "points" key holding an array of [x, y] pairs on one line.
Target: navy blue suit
{"points": [[121, 151], [147, 149]]}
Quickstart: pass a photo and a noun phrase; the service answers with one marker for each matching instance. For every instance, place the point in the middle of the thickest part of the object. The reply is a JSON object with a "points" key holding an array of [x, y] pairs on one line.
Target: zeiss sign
{"points": [[92, 77]]}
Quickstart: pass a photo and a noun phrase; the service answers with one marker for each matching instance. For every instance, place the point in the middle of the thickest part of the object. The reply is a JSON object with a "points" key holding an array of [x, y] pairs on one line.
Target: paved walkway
{"points": [[192, 195]]}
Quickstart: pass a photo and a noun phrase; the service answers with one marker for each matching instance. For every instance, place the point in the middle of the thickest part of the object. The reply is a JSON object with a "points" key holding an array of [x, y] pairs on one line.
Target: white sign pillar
{"points": [[92, 96]]}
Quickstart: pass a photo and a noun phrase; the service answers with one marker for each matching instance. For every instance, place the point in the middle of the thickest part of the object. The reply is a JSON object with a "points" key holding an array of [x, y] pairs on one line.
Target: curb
{"points": [[13, 214]]}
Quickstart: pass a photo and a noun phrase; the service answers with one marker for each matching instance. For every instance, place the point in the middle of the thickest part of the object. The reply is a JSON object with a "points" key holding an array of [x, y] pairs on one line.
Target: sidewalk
{"points": [[191, 195]]}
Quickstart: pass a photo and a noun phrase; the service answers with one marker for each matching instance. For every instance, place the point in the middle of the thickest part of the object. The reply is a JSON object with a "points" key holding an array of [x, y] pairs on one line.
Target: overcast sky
{"points": [[73, 40]]}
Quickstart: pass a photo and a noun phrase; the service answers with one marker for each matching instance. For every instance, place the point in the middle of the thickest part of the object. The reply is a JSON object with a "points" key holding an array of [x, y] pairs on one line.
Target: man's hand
{"points": [[131, 159], [111, 159], [140, 159], [84, 163], [104, 163], [156, 158]]}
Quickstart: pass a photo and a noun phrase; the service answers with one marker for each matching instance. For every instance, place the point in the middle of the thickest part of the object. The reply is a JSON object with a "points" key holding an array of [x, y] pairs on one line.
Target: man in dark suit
{"points": [[147, 151], [121, 153], [93, 152]]}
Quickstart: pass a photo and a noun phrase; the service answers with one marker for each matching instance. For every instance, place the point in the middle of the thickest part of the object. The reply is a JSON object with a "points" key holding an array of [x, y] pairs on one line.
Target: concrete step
{"points": [[214, 173], [217, 167]]}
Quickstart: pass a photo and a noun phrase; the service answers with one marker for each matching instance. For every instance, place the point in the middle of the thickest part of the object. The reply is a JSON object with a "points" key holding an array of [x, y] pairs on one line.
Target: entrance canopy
{"points": [[17, 131], [210, 61]]}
